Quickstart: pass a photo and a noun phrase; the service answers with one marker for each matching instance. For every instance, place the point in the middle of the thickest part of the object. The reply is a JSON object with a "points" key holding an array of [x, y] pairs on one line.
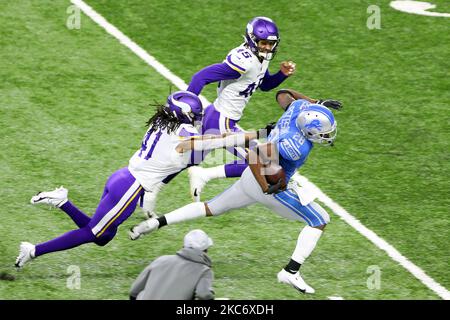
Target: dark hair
{"points": [[163, 119]]}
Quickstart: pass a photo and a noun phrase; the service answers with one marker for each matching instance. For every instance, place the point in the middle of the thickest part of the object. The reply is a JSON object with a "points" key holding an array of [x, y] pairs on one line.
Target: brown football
{"points": [[274, 173]]}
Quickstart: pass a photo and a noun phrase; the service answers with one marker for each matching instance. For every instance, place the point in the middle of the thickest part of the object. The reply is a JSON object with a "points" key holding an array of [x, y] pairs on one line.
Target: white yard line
{"points": [[130, 44], [336, 208]]}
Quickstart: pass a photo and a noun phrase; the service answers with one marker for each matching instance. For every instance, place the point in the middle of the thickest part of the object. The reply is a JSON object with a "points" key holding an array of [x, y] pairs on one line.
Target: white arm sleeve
{"points": [[232, 140]]}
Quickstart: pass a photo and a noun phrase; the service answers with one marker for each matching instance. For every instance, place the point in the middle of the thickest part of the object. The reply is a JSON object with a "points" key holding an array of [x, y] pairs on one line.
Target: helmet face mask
{"points": [[318, 125], [262, 30], [186, 106]]}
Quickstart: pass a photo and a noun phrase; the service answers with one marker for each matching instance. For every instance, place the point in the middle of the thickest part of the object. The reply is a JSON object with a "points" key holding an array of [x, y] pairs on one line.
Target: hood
{"points": [[195, 255]]}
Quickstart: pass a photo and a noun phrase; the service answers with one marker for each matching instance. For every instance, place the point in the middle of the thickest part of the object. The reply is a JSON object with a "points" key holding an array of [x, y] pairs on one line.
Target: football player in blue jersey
{"points": [[244, 70], [289, 144]]}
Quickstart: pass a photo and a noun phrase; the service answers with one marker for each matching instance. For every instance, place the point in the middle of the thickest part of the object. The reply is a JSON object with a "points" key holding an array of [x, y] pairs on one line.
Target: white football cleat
{"points": [[142, 228], [26, 253], [295, 280], [197, 180], [55, 198]]}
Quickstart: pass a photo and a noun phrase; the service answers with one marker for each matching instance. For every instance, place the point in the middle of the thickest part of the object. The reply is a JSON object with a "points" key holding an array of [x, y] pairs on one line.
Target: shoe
{"points": [[295, 280], [54, 198], [145, 227], [197, 180], [26, 253]]}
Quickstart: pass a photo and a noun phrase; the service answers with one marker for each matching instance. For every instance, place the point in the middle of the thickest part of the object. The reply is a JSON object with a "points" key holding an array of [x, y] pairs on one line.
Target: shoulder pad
{"points": [[240, 59]]}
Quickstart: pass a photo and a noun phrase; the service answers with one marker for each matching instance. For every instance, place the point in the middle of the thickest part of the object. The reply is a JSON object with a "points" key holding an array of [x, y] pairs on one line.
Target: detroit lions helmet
{"points": [[262, 28], [317, 123], [186, 106]]}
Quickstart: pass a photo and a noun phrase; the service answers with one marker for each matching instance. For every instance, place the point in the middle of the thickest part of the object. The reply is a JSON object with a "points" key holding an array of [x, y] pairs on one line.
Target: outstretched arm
{"points": [[213, 73], [285, 97], [270, 81], [209, 142]]}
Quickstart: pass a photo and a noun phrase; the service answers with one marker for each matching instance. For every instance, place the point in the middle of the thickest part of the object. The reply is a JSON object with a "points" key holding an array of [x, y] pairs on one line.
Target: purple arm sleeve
{"points": [[212, 73], [271, 81]]}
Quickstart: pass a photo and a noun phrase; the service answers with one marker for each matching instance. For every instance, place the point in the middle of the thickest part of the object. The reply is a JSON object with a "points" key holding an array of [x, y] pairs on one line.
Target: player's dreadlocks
{"points": [[163, 119]]}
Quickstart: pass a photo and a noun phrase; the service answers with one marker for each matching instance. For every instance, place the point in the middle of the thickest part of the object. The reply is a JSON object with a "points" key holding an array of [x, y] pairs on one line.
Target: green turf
{"points": [[74, 102]]}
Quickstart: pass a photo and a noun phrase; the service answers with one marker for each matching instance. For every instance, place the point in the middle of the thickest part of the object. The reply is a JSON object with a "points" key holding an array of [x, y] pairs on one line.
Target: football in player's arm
{"points": [[162, 155], [289, 145]]}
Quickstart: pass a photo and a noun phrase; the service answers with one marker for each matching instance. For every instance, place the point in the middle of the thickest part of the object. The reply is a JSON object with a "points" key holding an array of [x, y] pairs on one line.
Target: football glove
{"points": [[334, 104], [276, 188], [264, 132]]}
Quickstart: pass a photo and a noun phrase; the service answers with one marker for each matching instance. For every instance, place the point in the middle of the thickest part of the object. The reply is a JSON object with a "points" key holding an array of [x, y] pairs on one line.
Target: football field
{"points": [[73, 105]]}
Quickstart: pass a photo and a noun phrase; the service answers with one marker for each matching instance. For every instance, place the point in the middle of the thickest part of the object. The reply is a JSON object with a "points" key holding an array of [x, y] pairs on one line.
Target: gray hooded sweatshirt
{"points": [[184, 276]]}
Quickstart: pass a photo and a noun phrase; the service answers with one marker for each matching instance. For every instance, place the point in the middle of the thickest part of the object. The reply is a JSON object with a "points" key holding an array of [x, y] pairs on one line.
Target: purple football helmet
{"points": [[262, 28], [186, 106]]}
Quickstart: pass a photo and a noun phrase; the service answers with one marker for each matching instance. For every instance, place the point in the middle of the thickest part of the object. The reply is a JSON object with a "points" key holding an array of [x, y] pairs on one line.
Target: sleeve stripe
{"points": [[234, 66], [288, 151]]}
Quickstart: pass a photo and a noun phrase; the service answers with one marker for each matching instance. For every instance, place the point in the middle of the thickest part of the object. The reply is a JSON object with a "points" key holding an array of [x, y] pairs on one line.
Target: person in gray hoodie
{"points": [[184, 276]]}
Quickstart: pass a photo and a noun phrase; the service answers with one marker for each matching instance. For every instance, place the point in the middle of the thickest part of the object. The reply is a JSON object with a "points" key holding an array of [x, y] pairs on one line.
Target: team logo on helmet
{"points": [[262, 28], [186, 106], [317, 124]]}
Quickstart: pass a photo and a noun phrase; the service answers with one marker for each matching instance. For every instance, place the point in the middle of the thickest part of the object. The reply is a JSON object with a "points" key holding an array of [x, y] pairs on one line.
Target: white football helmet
{"points": [[317, 123]]}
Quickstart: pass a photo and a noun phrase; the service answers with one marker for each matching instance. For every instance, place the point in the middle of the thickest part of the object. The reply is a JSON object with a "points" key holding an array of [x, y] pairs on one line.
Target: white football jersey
{"points": [[233, 95], [157, 159]]}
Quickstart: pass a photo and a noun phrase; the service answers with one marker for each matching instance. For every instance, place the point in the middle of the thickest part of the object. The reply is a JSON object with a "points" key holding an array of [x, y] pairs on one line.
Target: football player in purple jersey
{"points": [[167, 148], [244, 70]]}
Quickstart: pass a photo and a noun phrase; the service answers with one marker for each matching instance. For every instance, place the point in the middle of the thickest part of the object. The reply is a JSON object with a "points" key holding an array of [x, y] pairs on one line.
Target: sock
{"points": [[162, 221], [214, 172], [191, 211], [75, 214], [68, 240], [148, 199], [292, 267], [306, 242], [235, 169]]}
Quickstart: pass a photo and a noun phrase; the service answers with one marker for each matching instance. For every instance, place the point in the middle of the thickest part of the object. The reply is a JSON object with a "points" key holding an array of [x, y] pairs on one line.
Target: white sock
{"points": [[306, 242], [150, 198], [191, 211], [214, 172]]}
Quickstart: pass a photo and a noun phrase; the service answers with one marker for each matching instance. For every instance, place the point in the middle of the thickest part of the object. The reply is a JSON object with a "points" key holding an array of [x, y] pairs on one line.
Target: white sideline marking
{"points": [[130, 44], [335, 298], [337, 209]]}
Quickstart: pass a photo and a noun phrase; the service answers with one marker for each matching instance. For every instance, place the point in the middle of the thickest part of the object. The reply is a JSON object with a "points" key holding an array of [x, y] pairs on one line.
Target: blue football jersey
{"points": [[293, 147]]}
